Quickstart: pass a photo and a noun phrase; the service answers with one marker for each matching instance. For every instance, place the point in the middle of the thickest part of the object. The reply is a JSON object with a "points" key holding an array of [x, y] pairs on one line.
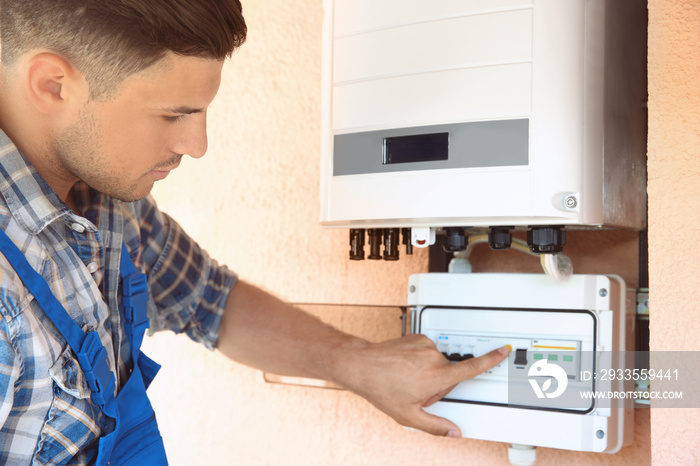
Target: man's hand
{"points": [[402, 376]]}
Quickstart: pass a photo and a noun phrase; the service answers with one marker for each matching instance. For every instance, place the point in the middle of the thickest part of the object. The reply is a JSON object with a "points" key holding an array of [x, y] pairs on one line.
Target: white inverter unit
{"points": [[479, 113]]}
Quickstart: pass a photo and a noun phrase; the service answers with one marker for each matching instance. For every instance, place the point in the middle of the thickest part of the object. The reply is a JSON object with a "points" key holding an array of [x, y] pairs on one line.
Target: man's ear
{"points": [[53, 82]]}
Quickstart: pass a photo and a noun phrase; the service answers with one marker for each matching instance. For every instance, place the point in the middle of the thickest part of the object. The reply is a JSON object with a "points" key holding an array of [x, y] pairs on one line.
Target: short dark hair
{"points": [[109, 40]]}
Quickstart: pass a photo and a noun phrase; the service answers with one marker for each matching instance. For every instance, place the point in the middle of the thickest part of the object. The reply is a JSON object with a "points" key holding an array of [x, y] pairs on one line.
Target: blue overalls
{"points": [[135, 438]]}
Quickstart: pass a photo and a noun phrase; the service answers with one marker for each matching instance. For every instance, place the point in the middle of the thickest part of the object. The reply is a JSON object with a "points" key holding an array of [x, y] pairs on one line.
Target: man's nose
{"points": [[192, 139]]}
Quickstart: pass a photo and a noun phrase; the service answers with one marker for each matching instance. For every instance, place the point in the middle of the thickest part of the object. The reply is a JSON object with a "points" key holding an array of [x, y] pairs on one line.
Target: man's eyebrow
{"points": [[184, 109]]}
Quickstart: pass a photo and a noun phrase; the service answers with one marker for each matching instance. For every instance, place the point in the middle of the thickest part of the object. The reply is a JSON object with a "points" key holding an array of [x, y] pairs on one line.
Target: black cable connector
{"points": [[546, 240], [455, 240], [406, 232], [375, 243], [500, 238], [357, 244], [391, 244]]}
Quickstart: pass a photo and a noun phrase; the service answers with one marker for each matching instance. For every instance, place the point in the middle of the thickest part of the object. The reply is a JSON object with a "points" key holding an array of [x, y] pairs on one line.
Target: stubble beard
{"points": [[78, 153]]}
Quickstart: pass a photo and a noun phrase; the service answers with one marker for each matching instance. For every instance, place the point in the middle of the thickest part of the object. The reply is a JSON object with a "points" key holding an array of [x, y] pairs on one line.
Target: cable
{"points": [[557, 266]]}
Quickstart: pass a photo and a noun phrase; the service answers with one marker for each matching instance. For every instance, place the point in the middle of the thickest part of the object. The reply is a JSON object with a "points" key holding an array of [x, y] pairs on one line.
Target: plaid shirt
{"points": [[46, 413]]}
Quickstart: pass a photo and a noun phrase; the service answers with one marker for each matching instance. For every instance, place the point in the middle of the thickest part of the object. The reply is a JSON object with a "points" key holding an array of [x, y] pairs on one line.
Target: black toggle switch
{"points": [[520, 357], [456, 357]]}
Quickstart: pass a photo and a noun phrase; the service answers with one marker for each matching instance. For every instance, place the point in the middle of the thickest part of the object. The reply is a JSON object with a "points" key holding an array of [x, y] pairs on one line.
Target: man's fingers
{"points": [[435, 425], [464, 370], [454, 374]]}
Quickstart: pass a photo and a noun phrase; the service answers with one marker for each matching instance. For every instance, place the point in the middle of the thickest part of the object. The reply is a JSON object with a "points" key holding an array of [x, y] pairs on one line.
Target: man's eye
{"points": [[173, 119]]}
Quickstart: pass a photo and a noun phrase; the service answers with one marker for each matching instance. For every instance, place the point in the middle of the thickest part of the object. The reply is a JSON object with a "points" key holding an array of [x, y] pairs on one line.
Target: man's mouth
{"points": [[160, 174]]}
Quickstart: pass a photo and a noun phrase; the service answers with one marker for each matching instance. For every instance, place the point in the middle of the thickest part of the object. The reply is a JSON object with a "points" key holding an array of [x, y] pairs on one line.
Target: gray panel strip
{"points": [[471, 145]]}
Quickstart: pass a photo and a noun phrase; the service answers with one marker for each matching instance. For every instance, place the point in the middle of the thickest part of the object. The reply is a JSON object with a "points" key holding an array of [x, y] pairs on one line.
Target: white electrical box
{"points": [[475, 113], [568, 341]]}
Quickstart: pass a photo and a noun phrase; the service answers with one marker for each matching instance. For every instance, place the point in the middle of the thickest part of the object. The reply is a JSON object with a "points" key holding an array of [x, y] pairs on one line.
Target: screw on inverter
{"points": [[455, 240], [375, 243], [500, 238], [546, 239], [391, 244], [357, 244], [571, 202], [406, 233]]}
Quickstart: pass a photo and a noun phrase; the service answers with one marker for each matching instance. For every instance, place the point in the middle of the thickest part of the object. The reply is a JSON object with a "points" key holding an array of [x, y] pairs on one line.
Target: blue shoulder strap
{"points": [[134, 302], [88, 348]]}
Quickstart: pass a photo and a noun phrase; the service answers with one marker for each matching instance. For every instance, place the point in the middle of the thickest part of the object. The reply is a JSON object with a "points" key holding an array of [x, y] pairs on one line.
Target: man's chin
{"points": [[132, 195]]}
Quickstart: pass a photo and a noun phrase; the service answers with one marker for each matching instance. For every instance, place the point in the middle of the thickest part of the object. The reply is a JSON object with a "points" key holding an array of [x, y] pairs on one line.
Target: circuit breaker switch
{"points": [[521, 357]]}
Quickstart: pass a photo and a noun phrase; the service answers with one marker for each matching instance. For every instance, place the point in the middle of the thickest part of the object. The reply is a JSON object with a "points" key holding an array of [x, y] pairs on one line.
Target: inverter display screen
{"points": [[415, 148]]}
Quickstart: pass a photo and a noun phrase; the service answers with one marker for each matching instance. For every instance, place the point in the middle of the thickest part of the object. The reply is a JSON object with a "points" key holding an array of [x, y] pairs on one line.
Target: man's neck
{"points": [[70, 201]]}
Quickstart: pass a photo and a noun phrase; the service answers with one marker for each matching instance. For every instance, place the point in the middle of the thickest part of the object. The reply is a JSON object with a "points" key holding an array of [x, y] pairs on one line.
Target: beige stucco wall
{"points": [[253, 203], [674, 206]]}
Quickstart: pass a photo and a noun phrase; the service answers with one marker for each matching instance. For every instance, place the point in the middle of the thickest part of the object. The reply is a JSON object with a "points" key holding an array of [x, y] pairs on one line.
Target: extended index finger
{"points": [[464, 370]]}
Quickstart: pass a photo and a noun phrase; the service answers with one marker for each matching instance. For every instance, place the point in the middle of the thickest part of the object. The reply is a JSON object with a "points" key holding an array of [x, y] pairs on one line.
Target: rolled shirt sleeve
{"points": [[188, 289]]}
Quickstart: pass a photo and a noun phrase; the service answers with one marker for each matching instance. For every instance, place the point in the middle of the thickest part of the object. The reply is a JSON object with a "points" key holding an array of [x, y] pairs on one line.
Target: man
{"points": [[98, 100]]}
